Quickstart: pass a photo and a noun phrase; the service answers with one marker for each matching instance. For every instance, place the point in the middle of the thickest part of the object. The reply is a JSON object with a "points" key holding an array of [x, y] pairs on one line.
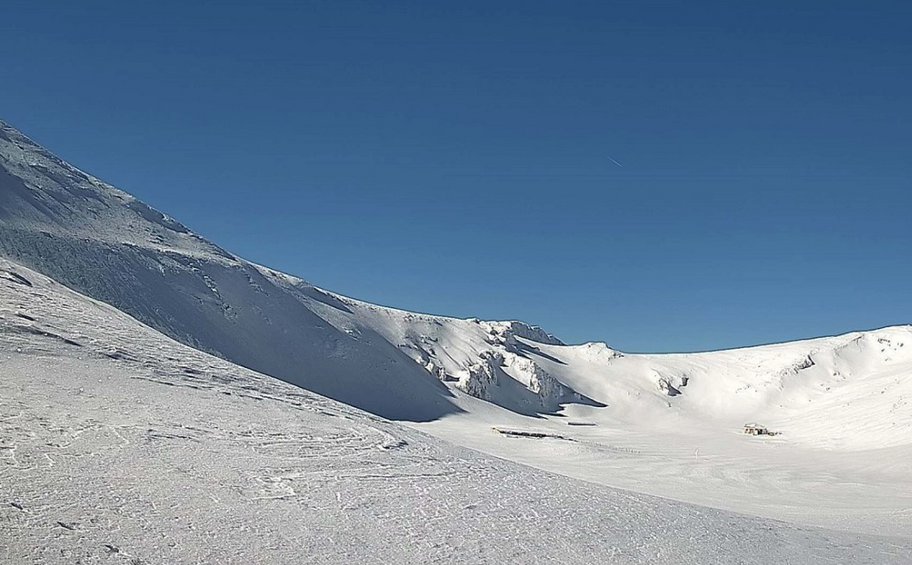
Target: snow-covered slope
{"points": [[662, 424], [103, 242], [847, 392], [851, 392], [108, 245], [119, 445], [672, 424]]}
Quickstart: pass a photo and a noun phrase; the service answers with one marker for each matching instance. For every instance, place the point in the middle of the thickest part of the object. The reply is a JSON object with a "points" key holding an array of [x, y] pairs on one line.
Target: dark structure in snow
{"points": [[758, 430]]}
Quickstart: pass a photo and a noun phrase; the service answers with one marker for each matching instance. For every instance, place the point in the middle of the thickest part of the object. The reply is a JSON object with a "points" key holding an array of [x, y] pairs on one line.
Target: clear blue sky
{"points": [[459, 157]]}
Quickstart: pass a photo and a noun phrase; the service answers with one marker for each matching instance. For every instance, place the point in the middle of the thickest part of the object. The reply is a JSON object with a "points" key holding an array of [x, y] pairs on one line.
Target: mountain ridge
{"points": [[664, 424], [152, 452], [103, 242]]}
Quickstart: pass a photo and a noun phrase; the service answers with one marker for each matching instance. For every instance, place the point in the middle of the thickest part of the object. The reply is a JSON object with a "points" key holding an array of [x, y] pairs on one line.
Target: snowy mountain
{"points": [[182, 457], [108, 245], [668, 425], [100, 241]]}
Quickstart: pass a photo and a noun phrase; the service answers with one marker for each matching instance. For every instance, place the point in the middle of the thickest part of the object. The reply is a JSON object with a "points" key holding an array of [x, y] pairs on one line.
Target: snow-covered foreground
{"points": [[842, 459], [672, 425], [869, 491], [118, 444]]}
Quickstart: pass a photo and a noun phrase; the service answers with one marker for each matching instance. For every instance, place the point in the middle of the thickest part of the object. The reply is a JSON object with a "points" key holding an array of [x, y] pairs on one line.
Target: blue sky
{"points": [[661, 176]]}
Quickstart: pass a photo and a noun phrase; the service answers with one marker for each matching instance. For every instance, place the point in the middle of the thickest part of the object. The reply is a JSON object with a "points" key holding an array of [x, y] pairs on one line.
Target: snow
{"points": [[842, 459], [121, 445], [264, 466], [96, 239]]}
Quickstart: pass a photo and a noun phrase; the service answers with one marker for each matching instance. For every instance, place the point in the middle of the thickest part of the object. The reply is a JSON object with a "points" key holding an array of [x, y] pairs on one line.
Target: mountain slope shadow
{"points": [[104, 243], [232, 311]]}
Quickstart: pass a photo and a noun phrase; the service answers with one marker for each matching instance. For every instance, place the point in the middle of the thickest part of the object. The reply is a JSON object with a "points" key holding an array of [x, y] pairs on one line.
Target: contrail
{"points": [[615, 161]]}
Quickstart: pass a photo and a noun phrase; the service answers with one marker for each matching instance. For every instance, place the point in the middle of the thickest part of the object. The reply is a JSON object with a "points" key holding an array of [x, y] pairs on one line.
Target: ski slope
{"points": [[108, 245], [671, 425], [588, 417], [120, 445]]}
